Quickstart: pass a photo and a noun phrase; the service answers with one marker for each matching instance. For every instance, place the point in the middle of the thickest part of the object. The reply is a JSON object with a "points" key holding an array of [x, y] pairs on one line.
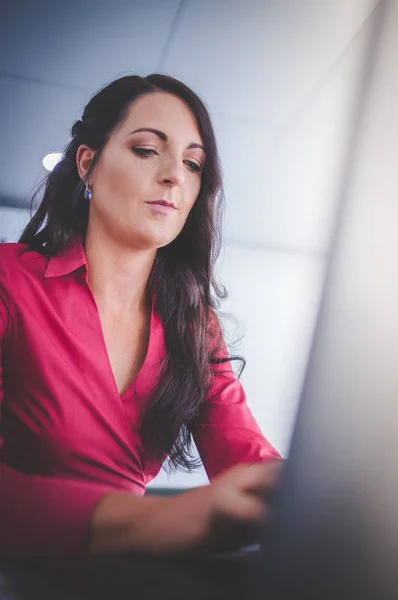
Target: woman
{"points": [[112, 357]]}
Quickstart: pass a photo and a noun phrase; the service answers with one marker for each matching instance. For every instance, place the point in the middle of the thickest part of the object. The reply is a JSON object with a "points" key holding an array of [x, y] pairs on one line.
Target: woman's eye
{"points": [[193, 165], [144, 152]]}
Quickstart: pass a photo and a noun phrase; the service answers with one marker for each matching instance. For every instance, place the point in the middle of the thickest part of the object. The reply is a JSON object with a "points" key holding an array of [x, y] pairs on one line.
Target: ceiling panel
{"points": [[283, 184], [84, 44], [261, 60]]}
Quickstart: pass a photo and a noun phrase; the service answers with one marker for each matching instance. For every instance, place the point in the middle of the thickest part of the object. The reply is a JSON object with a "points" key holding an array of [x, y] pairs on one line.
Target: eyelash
{"points": [[146, 152]]}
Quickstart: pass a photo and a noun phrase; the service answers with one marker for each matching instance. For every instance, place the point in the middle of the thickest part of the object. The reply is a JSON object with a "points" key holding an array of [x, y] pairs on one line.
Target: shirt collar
{"points": [[68, 260]]}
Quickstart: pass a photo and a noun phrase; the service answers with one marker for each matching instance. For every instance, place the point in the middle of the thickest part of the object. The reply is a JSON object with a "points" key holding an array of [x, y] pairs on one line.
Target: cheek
{"points": [[118, 177], [114, 178], [189, 203], [192, 194]]}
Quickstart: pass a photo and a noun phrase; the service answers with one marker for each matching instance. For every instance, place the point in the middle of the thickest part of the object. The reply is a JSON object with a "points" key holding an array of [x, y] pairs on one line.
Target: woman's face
{"points": [[139, 167]]}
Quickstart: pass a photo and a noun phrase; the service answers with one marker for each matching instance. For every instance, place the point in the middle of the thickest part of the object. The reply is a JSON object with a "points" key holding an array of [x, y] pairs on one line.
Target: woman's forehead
{"points": [[164, 111]]}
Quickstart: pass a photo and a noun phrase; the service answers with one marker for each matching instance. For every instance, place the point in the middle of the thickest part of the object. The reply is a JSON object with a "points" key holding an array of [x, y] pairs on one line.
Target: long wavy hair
{"points": [[187, 294]]}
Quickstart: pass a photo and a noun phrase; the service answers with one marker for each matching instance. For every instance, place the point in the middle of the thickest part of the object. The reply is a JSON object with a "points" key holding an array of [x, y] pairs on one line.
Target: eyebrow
{"points": [[163, 136]]}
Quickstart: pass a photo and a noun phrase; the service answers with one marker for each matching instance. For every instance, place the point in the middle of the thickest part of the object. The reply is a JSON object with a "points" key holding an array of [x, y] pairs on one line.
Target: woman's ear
{"points": [[84, 158]]}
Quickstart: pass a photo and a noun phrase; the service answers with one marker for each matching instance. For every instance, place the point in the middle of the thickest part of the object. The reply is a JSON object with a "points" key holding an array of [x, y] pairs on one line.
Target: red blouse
{"points": [[67, 437]]}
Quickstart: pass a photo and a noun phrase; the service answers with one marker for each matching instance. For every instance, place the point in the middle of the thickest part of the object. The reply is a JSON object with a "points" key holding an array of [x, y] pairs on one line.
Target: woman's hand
{"points": [[211, 517], [216, 517], [240, 492], [241, 497]]}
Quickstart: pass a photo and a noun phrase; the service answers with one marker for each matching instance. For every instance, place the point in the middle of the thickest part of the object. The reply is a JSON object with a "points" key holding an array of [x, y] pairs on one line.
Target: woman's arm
{"points": [[206, 518], [48, 517], [227, 433]]}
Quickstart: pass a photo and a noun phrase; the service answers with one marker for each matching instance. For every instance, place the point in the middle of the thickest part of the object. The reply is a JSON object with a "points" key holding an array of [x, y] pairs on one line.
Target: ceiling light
{"points": [[50, 160]]}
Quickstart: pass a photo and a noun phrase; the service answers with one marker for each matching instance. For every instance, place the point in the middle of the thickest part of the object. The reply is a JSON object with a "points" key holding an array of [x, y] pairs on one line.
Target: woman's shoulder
{"points": [[10, 249], [14, 257]]}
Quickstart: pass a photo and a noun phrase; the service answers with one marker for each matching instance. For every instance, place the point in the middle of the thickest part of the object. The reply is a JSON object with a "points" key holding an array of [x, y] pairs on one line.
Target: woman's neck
{"points": [[117, 275]]}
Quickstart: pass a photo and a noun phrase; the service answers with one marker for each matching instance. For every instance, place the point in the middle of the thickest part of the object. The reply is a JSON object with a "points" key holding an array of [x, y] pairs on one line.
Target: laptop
{"points": [[334, 531]]}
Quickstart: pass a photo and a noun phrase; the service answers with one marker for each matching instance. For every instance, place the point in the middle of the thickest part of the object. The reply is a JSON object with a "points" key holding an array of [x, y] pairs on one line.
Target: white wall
{"points": [[12, 222]]}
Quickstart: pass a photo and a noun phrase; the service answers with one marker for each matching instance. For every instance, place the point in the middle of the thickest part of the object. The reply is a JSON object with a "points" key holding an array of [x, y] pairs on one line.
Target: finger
{"points": [[246, 508]]}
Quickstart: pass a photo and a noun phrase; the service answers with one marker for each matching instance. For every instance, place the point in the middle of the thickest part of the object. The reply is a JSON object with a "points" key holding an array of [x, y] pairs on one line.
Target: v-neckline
{"points": [[106, 354]]}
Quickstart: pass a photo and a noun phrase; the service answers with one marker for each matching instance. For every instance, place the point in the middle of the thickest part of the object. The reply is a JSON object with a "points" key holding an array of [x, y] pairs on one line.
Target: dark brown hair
{"points": [[183, 273]]}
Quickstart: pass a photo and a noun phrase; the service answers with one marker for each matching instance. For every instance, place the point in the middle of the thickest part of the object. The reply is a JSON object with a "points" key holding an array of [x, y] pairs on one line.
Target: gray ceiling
{"points": [[257, 63]]}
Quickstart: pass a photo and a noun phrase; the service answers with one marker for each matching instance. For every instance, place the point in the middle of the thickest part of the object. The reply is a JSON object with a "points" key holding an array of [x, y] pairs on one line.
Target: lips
{"points": [[162, 207], [162, 203]]}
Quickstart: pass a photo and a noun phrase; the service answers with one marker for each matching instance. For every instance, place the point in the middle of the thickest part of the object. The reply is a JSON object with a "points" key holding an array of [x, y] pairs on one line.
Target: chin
{"points": [[161, 239], [151, 242], [162, 243]]}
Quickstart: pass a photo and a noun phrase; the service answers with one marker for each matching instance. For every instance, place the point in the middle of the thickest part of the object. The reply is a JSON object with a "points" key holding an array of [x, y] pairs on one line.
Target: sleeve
{"points": [[41, 516], [227, 432]]}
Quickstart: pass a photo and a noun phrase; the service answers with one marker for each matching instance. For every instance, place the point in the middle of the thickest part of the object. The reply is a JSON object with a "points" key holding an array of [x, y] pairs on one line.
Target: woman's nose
{"points": [[173, 180], [172, 175]]}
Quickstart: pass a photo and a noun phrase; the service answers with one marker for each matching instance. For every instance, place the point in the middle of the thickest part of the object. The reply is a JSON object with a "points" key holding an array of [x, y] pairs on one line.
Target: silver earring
{"points": [[87, 192]]}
